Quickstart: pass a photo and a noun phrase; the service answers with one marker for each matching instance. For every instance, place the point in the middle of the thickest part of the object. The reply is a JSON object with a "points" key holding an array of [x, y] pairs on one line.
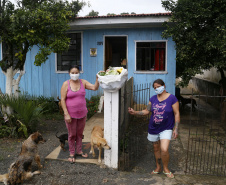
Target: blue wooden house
{"points": [[103, 41]]}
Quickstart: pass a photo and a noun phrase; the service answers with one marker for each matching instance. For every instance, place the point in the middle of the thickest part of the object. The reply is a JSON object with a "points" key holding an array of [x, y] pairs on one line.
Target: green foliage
{"points": [[27, 114], [93, 13], [92, 106], [33, 22], [111, 14], [198, 28], [23, 129], [48, 103], [124, 13], [52, 116]]}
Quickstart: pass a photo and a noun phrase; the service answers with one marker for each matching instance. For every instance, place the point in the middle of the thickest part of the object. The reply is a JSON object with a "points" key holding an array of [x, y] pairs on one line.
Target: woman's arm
{"points": [[176, 111], [63, 93], [90, 86], [142, 112]]}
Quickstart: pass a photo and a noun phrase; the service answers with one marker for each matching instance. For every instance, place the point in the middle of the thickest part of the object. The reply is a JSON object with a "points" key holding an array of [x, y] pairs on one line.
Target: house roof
{"points": [[120, 21], [128, 15]]}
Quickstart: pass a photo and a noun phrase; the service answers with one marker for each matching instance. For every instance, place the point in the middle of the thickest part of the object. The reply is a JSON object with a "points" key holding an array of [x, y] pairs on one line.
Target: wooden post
{"points": [[111, 117]]}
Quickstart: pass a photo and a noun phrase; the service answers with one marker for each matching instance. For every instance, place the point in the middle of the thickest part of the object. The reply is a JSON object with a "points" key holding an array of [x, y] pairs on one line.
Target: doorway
{"points": [[115, 51]]}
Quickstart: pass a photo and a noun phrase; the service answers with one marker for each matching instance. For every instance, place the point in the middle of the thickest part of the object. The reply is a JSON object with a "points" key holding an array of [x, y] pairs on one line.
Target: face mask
{"points": [[74, 76], [159, 90]]}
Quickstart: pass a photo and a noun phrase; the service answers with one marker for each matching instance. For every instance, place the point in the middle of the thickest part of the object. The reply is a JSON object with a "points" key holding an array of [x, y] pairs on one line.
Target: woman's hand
{"points": [[131, 111], [67, 118], [175, 133], [98, 73]]}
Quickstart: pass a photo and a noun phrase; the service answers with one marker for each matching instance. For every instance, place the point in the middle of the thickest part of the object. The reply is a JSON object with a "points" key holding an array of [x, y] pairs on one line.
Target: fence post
{"points": [[111, 117]]}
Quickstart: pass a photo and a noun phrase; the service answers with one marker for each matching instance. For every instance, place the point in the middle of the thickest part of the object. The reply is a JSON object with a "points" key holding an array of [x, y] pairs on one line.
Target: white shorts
{"points": [[166, 134]]}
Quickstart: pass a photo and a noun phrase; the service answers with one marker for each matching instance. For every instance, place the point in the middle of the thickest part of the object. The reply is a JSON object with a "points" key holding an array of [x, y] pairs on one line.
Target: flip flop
{"points": [[169, 175], [72, 159], [83, 155], [153, 172]]}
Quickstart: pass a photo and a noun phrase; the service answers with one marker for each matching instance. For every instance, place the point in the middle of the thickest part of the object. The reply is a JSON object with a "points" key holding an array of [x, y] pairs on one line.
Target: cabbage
{"points": [[112, 72]]}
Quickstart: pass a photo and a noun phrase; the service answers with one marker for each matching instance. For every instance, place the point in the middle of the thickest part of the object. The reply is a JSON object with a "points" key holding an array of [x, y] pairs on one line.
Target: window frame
{"points": [[66, 71], [151, 72]]}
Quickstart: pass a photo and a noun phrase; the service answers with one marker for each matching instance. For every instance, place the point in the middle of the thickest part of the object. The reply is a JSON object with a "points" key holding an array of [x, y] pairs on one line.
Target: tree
{"points": [[124, 13], [93, 13], [111, 14], [198, 28], [41, 23]]}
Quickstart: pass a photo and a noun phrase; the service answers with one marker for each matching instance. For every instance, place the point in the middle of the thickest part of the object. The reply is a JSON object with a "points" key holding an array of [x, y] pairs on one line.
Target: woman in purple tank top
{"points": [[163, 124], [74, 106]]}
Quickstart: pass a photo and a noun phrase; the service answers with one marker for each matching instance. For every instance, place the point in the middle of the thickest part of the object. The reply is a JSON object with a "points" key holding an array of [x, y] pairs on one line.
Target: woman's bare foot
{"points": [[169, 174], [71, 159], [156, 171], [82, 155]]}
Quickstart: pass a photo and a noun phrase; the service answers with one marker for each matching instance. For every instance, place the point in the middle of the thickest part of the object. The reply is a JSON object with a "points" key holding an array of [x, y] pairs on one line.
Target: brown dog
{"points": [[97, 138], [60, 106], [20, 170]]}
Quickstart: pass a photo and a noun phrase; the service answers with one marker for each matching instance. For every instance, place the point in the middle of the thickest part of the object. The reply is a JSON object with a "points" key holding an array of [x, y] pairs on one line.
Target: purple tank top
{"points": [[162, 117], [76, 102]]}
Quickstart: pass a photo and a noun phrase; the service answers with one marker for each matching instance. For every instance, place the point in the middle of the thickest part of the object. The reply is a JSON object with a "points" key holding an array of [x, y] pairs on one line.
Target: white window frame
{"points": [[81, 70], [151, 72]]}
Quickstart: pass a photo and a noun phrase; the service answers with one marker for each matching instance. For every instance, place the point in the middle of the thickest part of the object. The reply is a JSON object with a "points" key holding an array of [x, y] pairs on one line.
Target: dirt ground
{"points": [[57, 172]]}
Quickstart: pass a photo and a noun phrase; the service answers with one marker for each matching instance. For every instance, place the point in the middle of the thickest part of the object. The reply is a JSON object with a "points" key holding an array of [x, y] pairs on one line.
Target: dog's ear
{"points": [[102, 129], [92, 129], [37, 137], [34, 137], [98, 144]]}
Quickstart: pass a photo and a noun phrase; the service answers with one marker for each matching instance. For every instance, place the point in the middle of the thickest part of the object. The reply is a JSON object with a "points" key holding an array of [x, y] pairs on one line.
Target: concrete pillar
{"points": [[111, 117]]}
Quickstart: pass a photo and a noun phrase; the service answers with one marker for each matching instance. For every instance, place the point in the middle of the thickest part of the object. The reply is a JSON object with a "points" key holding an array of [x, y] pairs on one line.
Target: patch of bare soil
{"points": [[55, 172]]}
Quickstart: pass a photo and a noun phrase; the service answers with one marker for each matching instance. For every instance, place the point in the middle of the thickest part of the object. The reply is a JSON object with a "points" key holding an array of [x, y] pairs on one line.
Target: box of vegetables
{"points": [[113, 78]]}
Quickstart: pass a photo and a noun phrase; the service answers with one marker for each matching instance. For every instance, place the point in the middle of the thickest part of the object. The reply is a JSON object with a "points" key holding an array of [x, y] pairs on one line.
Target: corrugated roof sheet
{"points": [[127, 15]]}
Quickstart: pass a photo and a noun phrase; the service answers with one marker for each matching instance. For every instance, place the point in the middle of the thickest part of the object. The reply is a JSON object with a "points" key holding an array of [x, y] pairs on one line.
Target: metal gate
{"points": [[131, 128], [206, 136], [201, 132]]}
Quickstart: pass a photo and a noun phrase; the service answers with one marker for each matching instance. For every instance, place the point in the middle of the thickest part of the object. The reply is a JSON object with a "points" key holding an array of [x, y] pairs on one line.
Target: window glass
{"points": [[72, 56], [150, 56]]}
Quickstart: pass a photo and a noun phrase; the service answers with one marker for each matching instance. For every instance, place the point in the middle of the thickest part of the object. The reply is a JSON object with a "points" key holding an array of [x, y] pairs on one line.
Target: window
{"points": [[150, 56], [72, 56]]}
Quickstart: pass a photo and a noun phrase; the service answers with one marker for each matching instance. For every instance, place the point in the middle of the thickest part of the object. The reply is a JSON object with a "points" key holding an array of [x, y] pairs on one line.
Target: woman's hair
{"points": [[158, 81], [73, 66]]}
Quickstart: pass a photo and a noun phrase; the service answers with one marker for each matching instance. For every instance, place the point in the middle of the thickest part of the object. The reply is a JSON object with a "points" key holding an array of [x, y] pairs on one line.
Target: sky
{"points": [[119, 6]]}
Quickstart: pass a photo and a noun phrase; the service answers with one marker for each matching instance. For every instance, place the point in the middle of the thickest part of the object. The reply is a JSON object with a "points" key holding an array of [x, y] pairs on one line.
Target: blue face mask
{"points": [[159, 90]]}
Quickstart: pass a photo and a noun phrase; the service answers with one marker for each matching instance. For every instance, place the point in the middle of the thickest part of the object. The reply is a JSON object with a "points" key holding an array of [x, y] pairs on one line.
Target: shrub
{"points": [[26, 114], [49, 104], [92, 106]]}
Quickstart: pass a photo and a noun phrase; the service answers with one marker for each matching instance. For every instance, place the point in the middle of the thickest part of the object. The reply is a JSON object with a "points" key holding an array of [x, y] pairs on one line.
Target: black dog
{"points": [[62, 138], [185, 101]]}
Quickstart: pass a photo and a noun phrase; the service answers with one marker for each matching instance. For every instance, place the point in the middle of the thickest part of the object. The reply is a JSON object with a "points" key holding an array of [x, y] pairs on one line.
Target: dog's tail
{"points": [[4, 178], [58, 98]]}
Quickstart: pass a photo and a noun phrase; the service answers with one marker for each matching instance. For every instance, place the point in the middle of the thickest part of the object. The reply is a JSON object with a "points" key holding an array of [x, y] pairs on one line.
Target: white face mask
{"points": [[159, 90], [74, 76]]}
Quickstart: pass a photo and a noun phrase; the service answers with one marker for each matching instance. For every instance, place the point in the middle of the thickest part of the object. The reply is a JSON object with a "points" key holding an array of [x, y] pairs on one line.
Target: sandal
{"points": [[83, 155], [153, 172], [71, 159], [169, 175]]}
